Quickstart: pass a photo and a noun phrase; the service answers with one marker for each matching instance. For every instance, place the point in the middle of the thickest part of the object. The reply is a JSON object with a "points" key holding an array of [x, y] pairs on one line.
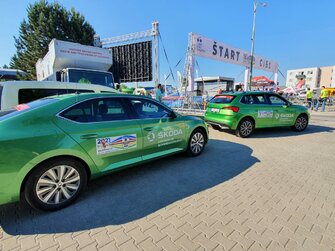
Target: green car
{"points": [[51, 147], [245, 111]]}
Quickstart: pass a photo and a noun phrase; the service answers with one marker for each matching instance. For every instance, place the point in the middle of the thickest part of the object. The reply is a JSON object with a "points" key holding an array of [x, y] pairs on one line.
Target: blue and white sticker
{"points": [[114, 144], [265, 114]]}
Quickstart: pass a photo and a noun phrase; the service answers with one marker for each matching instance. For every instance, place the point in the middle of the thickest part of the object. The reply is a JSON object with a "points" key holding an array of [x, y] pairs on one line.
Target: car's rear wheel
{"points": [[245, 128], [55, 184], [301, 123], [196, 143]]}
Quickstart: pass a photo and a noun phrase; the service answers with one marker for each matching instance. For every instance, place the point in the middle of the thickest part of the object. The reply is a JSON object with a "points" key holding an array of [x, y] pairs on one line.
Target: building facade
{"points": [[310, 76], [313, 77], [327, 76]]}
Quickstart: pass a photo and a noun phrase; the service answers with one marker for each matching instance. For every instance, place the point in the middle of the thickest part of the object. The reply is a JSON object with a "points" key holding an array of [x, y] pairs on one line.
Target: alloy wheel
{"points": [[197, 142], [58, 184], [301, 123], [246, 128]]}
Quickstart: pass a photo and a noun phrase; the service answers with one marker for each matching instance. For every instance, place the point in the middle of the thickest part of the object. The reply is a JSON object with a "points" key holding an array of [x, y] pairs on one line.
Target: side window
{"points": [[257, 99], [148, 109], [82, 112], [97, 110], [275, 100], [111, 109], [246, 99]]}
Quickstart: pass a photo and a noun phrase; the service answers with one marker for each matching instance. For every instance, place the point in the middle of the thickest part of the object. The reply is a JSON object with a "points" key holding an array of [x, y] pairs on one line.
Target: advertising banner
{"points": [[209, 48]]}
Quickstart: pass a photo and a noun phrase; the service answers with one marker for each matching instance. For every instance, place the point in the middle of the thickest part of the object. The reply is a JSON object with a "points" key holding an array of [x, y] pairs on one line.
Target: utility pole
{"points": [[253, 39], [155, 34]]}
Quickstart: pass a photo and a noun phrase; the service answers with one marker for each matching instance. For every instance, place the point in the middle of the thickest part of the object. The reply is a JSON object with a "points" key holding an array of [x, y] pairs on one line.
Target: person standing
{"points": [[309, 96], [159, 93], [323, 98], [205, 99]]}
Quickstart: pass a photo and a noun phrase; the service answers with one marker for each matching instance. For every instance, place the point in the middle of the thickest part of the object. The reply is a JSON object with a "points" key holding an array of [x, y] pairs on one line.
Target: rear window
{"points": [[222, 99], [19, 109]]}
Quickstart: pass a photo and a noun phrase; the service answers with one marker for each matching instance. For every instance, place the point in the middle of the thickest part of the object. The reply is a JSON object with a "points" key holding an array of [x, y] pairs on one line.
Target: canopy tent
{"points": [[262, 81]]}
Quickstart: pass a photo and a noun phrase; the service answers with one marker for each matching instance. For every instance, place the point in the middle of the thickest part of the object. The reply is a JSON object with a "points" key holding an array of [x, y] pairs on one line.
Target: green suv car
{"points": [[245, 111], [51, 147]]}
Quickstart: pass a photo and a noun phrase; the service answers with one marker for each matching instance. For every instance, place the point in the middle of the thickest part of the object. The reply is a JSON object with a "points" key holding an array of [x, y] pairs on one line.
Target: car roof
{"points": [[93, 95], [55, 85], [245, 92]]}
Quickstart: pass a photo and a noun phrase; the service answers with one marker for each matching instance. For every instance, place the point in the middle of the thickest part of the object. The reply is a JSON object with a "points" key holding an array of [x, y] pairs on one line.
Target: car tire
{"points": [[196, 143], [55, 184], [245, 128], [216, 127], [300, 123]]}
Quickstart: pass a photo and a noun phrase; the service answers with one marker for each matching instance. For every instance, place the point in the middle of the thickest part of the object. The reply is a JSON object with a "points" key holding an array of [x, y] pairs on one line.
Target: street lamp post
{"points": [[253, 38]]}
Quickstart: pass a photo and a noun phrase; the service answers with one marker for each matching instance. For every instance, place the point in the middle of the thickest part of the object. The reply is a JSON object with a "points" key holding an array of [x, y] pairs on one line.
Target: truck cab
{"points": [[85, 76]]}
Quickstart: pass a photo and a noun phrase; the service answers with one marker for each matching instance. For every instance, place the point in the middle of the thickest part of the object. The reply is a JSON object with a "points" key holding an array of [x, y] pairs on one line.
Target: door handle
{"points": [[148, 129], [89, 136]]}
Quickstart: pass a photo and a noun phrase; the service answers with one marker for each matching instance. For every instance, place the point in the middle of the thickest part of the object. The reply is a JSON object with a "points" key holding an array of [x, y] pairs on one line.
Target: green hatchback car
{"points": [[245, 111], [51, 147]]}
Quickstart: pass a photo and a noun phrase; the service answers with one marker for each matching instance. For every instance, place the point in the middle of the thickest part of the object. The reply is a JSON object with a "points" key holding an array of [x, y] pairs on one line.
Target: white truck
{"points": [[74, 62]]}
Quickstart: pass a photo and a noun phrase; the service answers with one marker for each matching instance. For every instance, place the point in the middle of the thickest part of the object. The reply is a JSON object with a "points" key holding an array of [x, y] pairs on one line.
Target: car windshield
{"points": [[8, 113], [222, 99], [91, 77]]}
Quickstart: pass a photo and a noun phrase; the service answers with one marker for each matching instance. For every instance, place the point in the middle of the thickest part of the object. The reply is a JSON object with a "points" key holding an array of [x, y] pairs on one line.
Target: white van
{"points": [[13, 93]]}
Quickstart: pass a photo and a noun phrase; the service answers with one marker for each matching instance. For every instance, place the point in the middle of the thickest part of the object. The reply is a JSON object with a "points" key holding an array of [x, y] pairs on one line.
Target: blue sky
{"points": [[295, 33]]}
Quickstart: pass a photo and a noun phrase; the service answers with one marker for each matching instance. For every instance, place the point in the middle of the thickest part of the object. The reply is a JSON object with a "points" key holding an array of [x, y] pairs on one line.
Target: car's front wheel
{"points": [[55, 184], [301, 123], [245, 128], [196, 143]]}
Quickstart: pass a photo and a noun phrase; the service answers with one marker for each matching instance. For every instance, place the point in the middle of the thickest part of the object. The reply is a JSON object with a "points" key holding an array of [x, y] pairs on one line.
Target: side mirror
{"points": [[172, 115], [286, 105]]}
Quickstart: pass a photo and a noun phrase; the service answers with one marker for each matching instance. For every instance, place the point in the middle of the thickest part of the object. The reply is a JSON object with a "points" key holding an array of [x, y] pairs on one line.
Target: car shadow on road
{"points": [[278, 132], [134, 193]]}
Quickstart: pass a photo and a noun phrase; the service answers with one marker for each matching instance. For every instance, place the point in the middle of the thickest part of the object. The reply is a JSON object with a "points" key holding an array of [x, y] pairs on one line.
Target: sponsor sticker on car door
{"points": [[114, 144], [265, 114]]}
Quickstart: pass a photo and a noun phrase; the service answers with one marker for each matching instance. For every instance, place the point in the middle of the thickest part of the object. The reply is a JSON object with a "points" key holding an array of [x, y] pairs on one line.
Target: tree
{"points": [[45, 22]]}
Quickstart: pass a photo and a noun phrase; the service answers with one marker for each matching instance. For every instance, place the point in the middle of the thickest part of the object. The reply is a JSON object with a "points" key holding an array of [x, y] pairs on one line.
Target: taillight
{"points": [[22, 107], [233, 108]]}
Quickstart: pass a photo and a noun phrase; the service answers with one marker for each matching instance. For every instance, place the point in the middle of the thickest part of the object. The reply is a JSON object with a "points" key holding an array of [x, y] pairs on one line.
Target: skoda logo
{"points": [[151, 136], [277, 116]]}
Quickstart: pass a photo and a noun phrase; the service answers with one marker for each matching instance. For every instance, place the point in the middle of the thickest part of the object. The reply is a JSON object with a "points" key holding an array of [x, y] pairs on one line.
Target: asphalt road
{"points": [[323, 116]]}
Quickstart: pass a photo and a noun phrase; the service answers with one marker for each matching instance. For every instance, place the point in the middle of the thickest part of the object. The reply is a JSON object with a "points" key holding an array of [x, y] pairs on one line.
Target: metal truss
{"points": [[128, 38]]}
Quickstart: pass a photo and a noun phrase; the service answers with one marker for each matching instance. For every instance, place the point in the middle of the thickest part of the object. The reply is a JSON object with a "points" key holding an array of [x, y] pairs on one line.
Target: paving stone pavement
{"points": [[273, 191]]}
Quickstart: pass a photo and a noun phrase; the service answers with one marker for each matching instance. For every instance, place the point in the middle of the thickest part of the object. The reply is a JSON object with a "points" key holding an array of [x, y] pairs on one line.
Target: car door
{"points": [[284, 115], [105, 129], [260, 109], [163, 133]]}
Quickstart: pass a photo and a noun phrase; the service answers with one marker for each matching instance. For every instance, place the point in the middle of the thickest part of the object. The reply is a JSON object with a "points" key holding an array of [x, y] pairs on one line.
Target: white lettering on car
{"points": [[171, 133], [287, 115], [284, 116]]}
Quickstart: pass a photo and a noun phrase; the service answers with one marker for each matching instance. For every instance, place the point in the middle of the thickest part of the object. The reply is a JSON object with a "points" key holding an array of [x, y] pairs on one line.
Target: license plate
{"points": [[215, 110]]}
